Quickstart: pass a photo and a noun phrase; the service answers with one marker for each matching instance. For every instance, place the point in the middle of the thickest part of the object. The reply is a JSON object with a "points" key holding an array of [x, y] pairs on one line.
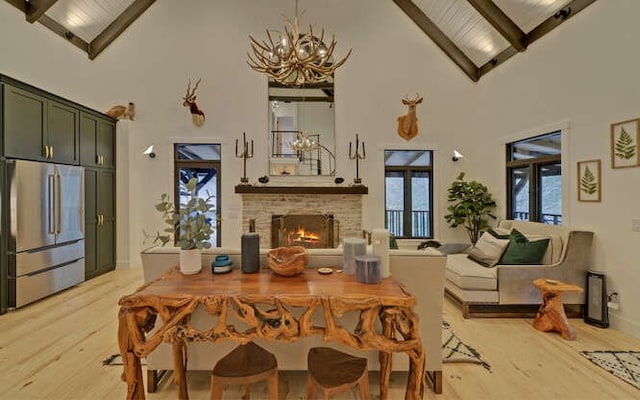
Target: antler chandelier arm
{"points": [[297, 58]]}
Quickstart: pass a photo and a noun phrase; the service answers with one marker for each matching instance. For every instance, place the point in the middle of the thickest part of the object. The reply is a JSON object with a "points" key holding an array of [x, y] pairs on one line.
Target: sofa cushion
{"points": [[488, 250], [521, 250], [468, 274]]}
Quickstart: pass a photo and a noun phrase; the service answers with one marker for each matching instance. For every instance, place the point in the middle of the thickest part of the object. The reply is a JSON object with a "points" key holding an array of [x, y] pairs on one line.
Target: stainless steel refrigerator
{"points": [[46, 229]]}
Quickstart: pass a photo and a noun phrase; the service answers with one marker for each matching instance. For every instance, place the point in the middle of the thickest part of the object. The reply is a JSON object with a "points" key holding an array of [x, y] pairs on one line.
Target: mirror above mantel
{"points": [[301, 129]]}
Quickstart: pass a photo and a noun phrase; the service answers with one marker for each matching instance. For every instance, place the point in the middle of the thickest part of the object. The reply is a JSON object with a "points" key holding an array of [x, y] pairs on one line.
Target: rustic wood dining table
{"points": [[264, 302]]}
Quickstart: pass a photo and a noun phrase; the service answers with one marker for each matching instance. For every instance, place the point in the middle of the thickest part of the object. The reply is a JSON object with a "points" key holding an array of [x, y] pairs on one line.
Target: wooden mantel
{"points": [[251, 189]]}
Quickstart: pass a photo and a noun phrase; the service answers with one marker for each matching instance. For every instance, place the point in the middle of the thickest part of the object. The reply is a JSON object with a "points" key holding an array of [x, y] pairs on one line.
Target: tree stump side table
{"points": [[551, 315]]}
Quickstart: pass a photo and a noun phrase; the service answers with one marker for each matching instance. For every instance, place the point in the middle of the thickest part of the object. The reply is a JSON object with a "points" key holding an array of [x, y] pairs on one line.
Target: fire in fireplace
{"points": [[312, 231]]}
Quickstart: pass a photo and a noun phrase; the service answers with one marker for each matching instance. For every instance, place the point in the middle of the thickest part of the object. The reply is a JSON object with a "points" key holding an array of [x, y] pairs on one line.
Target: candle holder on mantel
{"points": [[357, 155], [244, 154]]}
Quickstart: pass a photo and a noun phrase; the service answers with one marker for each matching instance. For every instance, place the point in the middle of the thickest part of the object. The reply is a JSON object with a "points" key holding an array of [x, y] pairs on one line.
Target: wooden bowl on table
{"points": [[288, 261]]}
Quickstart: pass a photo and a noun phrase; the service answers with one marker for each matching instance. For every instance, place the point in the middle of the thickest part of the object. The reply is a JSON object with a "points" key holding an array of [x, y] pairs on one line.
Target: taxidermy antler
{"points": [[408, 123], [197, 116], [122, 112]]}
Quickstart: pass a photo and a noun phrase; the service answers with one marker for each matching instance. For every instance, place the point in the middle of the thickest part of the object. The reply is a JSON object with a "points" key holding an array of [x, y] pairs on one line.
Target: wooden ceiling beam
{"points": [[36, 8], [19, 4], [545, 27], [553, 21], [439, 38], [111, 32], [55, 27], [501, 22]]}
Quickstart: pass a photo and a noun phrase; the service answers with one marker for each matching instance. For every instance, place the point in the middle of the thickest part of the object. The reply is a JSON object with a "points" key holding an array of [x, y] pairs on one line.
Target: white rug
{"points": [[456, 351], [623, 364]]}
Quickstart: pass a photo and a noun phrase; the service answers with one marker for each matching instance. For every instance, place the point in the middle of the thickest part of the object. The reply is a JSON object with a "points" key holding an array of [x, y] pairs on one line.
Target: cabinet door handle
{"points": [[101, 219], [46, 151], [101, 159], [51, 151]]}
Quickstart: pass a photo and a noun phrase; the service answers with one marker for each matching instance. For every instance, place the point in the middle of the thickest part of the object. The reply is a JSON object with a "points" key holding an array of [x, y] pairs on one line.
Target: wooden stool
{"points": [[333, 372], [551, 315], [244, 365]]}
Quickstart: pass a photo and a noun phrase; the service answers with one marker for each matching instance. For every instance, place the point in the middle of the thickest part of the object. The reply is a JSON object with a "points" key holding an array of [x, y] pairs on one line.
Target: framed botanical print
{"points": [[625, 144], [589, 180]]}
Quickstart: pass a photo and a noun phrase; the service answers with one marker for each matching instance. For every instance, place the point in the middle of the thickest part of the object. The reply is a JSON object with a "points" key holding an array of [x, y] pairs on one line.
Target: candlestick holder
{"points": [[247, 152], [357, 155]]}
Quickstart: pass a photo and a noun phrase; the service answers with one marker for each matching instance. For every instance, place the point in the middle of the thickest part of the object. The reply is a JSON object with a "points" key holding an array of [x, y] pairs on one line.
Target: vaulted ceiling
{"points": [[478, 35]]}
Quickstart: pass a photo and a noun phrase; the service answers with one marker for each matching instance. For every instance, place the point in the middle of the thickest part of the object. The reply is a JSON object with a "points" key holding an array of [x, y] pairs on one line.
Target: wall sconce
{"points": [[149, 152], [456, 155]]}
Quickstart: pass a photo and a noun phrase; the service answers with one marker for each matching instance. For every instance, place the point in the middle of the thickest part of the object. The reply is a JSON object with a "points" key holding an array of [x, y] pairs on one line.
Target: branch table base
{"points": [[267, 306]]}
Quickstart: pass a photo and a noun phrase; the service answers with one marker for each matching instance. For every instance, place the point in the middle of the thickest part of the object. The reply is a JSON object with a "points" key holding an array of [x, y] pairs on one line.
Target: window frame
{"points": [[534, 166]]}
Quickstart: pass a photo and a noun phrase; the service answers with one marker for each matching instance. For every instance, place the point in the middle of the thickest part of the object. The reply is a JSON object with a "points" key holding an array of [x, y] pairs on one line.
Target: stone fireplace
{"points": [[309, 230], [261, 203]]}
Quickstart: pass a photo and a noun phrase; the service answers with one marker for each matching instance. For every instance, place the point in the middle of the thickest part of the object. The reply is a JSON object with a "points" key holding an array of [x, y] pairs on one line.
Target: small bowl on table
{"points": [[288, 261]]}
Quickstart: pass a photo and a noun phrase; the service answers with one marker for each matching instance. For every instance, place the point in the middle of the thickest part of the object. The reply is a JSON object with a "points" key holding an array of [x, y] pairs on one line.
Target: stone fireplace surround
{"points": [[260, 204]]}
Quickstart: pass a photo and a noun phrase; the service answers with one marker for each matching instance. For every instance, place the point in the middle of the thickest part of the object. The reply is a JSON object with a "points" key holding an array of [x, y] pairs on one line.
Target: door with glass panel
{"points": [[408, 193], [200, 161]]}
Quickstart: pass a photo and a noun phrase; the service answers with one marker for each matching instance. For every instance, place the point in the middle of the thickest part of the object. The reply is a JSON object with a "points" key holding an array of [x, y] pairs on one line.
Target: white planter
{"points": [[190, 261]]}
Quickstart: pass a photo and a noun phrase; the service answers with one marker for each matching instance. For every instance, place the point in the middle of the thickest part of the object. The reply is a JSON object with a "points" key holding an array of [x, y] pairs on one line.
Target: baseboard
{"points": [[495, 310]]}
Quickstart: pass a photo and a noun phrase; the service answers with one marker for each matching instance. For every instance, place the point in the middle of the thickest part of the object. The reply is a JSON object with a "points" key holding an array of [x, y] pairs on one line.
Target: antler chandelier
{"points": [[295, 58]]}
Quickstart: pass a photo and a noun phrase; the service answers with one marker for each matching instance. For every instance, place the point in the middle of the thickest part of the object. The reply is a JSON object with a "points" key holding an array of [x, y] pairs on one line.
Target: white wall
{"points": [[582, 75]]}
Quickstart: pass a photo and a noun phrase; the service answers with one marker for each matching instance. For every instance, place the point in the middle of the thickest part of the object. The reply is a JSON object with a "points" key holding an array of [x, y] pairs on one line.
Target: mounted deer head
{"points": [[197, 116], [408, 123]]}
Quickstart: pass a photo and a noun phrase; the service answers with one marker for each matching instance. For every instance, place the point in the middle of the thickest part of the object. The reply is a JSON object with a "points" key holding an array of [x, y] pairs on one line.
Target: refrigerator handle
{"points": [[51, 204], [58, 201]]}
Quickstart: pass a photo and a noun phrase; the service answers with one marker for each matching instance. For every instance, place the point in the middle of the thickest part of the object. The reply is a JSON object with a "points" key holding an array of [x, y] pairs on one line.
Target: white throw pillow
{"points": [[488, 250]]}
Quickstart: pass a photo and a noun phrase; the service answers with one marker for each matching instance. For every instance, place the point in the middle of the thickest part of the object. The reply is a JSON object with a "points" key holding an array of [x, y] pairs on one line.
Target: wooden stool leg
{"points": [[363, 385], [216, 389], [311, 388], [272, 384], [247, 393]]}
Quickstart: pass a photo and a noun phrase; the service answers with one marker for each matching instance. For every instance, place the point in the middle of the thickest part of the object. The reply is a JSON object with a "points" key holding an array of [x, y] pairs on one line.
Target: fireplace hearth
{"points": [[309, 230]]}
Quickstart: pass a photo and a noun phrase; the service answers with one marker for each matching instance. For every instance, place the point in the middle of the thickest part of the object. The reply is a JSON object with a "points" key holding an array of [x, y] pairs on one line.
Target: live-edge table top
{"points": [[266, 283]]}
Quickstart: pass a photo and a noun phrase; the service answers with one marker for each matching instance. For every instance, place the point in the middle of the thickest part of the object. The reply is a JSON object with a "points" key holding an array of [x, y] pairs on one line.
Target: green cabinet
{"points": [[100, 221], [97, 155], [39, 128], [97, 141]]}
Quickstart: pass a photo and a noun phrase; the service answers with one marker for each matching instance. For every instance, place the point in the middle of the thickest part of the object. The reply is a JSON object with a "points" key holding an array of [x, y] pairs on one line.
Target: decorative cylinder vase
{"points": [[380, 244], [190, 261], [250, 253], [368, 269], [352, 247]]}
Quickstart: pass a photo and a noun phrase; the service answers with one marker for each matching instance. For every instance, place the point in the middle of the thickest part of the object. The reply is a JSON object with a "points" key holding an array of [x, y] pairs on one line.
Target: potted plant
{"points": [[471, 205], [190, 226]]}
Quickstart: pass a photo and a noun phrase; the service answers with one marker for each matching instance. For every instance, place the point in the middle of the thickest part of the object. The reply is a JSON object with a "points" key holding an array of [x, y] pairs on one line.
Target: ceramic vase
{"points": [[190, 261]]}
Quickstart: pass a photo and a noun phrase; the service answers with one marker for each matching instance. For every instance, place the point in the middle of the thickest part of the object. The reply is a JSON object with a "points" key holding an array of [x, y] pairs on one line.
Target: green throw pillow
{"points": [[524, 251]]}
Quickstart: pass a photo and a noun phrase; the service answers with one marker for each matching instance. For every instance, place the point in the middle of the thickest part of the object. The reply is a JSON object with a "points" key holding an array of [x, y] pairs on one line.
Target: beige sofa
{"points": [[422, 273], [504, 290]]}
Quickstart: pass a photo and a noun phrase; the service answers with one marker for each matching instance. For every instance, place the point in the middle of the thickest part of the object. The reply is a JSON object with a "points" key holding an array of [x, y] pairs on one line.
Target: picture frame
{"points": [[589, 181], [625, 144]]}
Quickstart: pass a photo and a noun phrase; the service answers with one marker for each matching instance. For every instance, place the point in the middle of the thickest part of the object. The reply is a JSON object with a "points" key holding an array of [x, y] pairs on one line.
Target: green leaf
{"points": [[471, 205], [588, 183], [625, 148]]}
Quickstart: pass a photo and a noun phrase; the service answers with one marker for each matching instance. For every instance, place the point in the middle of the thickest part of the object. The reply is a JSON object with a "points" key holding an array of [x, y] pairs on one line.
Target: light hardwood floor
{"points": [[53, 349]]}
